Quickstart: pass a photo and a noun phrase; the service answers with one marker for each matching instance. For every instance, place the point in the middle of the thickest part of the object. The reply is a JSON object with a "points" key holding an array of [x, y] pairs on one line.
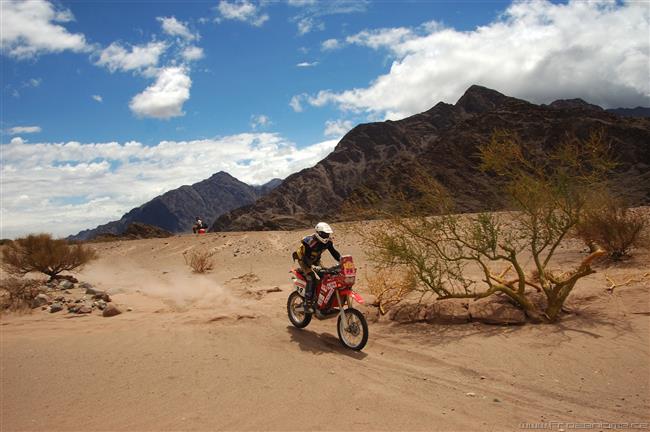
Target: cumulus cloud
{"points": [[192, 53], [296, 102], [30, 28], [98, 98], [173, 27], [23, 130], [330, 45], [538, 51], [337, 128], [164, 98], [301, 3], [306, 64], [241, 10], [72, 186], [260, 121], [306, 25], [141, 58]]}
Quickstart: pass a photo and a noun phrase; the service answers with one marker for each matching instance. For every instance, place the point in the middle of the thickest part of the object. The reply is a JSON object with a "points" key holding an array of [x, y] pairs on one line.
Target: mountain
{"points": [[378, 159], [631, 112], [176, 210]]}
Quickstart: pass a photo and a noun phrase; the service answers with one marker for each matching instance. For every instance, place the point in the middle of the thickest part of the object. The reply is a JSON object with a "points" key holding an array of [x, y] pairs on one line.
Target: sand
{"points": [[217, 352]]}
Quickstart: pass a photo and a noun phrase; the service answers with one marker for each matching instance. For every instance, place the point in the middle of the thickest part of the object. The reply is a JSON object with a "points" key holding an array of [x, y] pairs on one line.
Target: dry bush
{"points": [[550, 190], [391, 286], [614, 228], [200, 260], [41, 253], [18, 293]]}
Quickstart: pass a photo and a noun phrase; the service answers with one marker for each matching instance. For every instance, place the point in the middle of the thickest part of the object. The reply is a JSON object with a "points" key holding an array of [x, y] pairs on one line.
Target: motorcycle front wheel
{"points": [[353, 329], [298, 318]]}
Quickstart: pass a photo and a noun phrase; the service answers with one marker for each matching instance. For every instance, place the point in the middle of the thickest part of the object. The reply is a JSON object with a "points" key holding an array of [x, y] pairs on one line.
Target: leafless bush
{"points": [[18, 293], [41, 253], [200, 260], [614, 228]]}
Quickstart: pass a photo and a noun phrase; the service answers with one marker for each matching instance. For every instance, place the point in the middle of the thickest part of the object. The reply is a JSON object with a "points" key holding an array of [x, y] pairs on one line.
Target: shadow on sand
{"points": [[319, 343]]}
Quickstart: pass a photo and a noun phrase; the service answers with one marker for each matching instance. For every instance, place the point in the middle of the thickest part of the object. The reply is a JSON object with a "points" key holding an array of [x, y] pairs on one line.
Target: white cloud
{"points": [[337, 128], [306, 64], [296, 102], [98, 98], [301, 3], [241, 10], [29, 28], [23, 130], [173, 27], [192, 53], [306, 25], [164, 98], [139, 58], [260, 121], [538, 51], [330, 45], [71, 186]]}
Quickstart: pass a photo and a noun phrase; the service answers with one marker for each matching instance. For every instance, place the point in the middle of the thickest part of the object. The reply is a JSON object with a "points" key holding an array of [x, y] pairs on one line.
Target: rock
{"points": [[56, 307], [59, 299], [495, 311], [470, 394], [101, 304], [129, 309], [66, 292], [73, 308], [111, 310], [40, 300], [69, 278], [451, 311], [102, 296], [85, 285], [84, 309], [65, 284]]}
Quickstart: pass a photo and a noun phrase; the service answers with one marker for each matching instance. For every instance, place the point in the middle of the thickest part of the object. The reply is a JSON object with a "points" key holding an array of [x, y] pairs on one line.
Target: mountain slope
{"points": [[176, 210], [442, 142]]}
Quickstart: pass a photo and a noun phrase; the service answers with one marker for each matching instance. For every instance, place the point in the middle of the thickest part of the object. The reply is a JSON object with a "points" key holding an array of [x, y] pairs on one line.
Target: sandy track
{"points": [[207, 352]]}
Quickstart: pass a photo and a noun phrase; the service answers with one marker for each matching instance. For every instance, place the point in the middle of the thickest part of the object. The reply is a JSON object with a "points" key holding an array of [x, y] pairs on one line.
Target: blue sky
{"points": [[108, 104]]}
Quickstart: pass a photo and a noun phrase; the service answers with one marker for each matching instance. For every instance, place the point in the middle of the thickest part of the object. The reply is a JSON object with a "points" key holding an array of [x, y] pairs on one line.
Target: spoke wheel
{"points": [[297, 317], [353, 329]]}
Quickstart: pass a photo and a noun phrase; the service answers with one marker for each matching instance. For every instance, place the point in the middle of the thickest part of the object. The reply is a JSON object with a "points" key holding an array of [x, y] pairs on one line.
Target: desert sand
{"points": [[217, 352]]}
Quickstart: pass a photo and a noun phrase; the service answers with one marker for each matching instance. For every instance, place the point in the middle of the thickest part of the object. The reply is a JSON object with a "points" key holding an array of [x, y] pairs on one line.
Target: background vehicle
{"points": [[334, 297]]}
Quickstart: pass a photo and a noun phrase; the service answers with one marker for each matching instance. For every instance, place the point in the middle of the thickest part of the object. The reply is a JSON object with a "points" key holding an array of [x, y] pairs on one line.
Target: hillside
{"points": [[382, 158], [176, 210]]}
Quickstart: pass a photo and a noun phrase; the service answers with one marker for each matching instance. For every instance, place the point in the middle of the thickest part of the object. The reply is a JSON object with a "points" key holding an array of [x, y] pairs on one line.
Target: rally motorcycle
{"points": [[334, 297]]}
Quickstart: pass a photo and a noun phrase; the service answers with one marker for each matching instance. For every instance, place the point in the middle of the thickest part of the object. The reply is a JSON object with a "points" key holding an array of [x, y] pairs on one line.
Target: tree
{"points": [[41, 253], [550, 191]]}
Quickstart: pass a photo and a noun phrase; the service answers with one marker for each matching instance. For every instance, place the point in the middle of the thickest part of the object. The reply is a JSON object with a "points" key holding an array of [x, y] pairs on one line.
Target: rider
{"points": [[197, 225], [309, 254]]}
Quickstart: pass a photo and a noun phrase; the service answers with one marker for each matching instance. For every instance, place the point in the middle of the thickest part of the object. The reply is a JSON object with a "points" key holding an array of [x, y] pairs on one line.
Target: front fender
{"points": [[357, 298]]}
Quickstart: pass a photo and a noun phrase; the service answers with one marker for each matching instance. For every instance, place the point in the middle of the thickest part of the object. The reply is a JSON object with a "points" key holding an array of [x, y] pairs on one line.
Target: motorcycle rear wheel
{"points": [[297, 318], [353, 330]]}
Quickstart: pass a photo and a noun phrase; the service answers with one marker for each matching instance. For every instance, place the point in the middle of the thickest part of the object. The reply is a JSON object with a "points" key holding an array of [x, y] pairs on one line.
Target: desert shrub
{"points": [[200, 260], [391, 286], [614, 228], [18, 293], [550, 191], [42, 253]]}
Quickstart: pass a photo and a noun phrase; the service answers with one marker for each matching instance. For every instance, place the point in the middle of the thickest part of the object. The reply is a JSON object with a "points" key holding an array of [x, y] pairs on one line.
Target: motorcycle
{"points": [[334, 297]]}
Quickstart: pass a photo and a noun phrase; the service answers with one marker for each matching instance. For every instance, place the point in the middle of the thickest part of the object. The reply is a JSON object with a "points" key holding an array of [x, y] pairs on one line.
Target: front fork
{"points": [[341, 309]]}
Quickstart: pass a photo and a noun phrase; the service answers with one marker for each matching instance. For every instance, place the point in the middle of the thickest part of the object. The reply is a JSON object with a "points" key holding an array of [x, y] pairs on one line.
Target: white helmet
{"points": [[323, 232]]}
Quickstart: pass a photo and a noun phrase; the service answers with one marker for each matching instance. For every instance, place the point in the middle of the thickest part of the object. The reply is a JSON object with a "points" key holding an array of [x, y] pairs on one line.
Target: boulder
{"points": [[65, 284], [451, 311], [84, 309], [496, 311], [56, 307], [100, 304], [102, 296], [111, 310], [40, 300]]}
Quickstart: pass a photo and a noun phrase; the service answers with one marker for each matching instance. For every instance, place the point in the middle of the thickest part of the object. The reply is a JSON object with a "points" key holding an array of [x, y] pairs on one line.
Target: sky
{"points": [[107, 104]]}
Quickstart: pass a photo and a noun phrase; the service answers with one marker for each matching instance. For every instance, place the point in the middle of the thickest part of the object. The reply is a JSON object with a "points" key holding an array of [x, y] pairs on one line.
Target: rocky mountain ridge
{"points": [[176, 210], [377, 159]]}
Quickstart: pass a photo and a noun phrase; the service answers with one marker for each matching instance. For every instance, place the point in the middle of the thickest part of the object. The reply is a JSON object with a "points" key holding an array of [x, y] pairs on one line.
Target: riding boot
{"points": [[309, 295]]}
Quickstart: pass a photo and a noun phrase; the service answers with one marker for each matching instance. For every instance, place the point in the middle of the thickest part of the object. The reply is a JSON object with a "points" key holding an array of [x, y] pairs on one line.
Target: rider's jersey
{"points": [[311, 249]]}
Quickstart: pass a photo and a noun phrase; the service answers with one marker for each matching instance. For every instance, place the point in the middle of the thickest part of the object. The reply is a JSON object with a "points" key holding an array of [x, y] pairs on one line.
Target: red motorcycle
{"points": [[334, 297]]}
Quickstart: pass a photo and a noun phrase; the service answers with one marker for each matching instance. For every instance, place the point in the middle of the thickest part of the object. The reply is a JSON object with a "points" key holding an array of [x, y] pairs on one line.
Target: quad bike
{"points": [[334, 297]]}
